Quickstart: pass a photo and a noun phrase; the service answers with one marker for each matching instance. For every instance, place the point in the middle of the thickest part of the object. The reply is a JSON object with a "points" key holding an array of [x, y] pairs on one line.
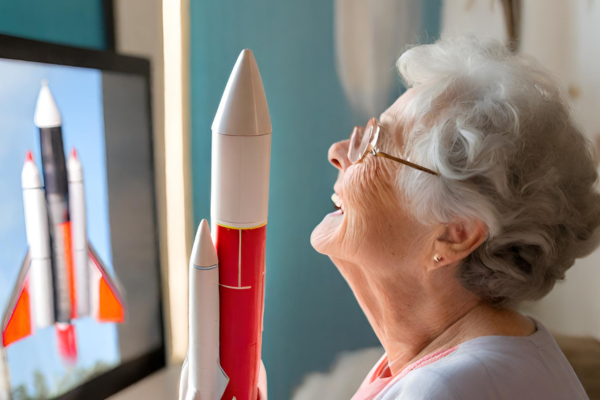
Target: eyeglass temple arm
{"points": [[401, 161]]}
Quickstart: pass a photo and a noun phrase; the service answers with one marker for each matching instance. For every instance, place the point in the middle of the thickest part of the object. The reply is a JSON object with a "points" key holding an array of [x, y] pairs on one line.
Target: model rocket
{"points": [[202, 377], [241, 156], [230, 320], [62, 278]]}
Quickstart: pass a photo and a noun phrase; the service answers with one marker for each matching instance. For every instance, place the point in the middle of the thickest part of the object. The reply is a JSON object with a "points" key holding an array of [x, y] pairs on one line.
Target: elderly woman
{"points": [[474, 192]]}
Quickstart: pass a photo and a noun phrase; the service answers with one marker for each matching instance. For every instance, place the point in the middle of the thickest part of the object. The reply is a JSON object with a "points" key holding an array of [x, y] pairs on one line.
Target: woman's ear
{"points": [[457, 240]]}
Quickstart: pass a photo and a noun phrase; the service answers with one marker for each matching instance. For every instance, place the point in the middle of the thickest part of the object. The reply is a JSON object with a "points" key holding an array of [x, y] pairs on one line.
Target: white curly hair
{"points": [[498, 129]]}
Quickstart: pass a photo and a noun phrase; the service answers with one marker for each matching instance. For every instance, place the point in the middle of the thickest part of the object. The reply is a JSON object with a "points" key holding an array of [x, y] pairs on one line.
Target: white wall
{"points": [[565, 37], [482, 18]]}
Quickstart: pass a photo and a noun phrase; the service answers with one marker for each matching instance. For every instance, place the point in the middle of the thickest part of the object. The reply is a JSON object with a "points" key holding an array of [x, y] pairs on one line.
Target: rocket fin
{"points": [[107, 302], [17, 321], [262, 382], [222, 382], [183, 380], [188, 392], [192, 394]]}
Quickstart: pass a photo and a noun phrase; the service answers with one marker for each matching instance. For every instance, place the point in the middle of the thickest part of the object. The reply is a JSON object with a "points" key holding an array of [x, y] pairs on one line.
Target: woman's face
{"points": [[372, 227]]}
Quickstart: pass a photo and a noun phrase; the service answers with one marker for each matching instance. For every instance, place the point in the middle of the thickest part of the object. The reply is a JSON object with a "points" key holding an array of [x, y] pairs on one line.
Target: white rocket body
{"points": [[38, 238], [202, 377], [240, 166], [79, 235]]}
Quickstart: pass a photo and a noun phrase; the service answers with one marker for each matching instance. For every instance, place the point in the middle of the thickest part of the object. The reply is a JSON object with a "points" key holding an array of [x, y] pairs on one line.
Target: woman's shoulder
{"points": [[495, 367]]}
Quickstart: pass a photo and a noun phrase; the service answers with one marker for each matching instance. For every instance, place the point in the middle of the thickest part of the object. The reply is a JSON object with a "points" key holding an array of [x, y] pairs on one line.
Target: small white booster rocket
{"points": [[79, 232], [36, 227], [202, 377]]}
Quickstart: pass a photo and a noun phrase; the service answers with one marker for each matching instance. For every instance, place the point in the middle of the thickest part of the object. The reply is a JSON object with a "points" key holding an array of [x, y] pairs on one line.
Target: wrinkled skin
{"points": [[414, 304]]}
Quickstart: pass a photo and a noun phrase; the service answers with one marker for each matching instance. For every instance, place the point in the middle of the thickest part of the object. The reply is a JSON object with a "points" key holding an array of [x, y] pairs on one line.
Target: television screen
{"points": [[79, 272]]}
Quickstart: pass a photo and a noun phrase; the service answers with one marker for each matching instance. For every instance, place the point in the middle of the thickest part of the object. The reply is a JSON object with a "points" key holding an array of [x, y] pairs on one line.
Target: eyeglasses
{"points": [[364, 141]]}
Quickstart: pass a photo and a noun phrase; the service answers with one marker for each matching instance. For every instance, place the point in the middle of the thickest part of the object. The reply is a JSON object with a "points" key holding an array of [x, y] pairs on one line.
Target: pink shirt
{"points": [[381, 376]]}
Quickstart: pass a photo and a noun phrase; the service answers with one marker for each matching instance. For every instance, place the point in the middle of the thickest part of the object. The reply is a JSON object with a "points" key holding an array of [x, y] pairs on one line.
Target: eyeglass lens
{"points": [[360, 140], [356, 150]]}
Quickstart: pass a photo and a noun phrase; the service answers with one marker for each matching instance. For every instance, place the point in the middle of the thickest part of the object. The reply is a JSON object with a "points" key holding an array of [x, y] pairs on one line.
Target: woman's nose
{"points": [[338, 155]]}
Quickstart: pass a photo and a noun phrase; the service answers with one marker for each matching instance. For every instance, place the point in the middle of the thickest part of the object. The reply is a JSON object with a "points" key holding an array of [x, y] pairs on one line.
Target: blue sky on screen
{"points": [[78, 93]]}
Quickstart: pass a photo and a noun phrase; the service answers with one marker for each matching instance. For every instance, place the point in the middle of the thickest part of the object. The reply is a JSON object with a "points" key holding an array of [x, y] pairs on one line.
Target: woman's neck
{"points": [[413, 319]]}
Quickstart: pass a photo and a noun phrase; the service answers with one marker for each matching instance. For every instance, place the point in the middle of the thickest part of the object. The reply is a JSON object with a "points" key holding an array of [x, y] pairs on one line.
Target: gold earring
{"points": [[437, 257]]}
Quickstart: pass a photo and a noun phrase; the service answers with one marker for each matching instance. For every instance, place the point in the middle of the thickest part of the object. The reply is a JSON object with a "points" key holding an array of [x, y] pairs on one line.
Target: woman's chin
{"points": [[326, 236]]}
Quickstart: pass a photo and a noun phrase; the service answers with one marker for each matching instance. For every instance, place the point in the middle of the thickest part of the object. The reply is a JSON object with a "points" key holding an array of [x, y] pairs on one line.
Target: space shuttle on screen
{"points": [[62, 277]]}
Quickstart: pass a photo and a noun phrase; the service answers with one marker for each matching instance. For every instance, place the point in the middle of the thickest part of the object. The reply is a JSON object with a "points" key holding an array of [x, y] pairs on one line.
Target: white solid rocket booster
{"points": [[38, 238], [79, 234], [202, 377]]}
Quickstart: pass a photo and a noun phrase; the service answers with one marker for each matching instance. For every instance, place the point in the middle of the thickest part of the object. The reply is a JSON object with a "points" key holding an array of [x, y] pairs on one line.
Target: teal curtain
{"points": [[311, 314], [72, 22]]}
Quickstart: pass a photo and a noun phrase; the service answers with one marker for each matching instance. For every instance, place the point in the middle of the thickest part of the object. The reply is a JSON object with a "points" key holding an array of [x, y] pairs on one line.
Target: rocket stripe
{"points": [[240, 261], [66, 236], [206, 268], [241, 227], [236, 287]]}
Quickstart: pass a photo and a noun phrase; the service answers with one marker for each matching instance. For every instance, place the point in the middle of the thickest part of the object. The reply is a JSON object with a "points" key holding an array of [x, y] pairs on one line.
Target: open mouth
{"points": [[339, 203]]}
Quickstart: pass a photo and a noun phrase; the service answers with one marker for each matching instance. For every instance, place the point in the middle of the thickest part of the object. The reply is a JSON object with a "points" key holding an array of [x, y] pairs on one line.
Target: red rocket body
{"points": [[242, 286]]}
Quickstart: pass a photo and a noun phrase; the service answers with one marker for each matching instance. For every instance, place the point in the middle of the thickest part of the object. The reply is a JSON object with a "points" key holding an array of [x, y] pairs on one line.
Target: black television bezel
{"points": [[15, 48], [109, 25]]}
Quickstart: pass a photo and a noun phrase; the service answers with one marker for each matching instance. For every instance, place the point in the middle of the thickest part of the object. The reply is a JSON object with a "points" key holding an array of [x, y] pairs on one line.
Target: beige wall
{"points": [[565, 37], [139, 32]]}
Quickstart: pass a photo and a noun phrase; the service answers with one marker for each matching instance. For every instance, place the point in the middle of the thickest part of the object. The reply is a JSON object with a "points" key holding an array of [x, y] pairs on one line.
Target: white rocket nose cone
{"points": [[204, 253], [46, 111], [30, 175], [74, 169], [243, 109]]}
